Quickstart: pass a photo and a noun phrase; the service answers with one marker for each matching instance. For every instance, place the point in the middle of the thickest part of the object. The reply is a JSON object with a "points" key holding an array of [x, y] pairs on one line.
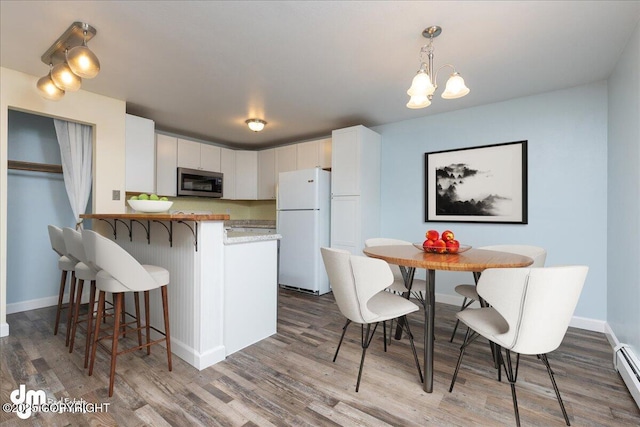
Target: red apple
{"points": [[428, 245], [447, 235], [453, 246], [432, 235], [440, 246]]}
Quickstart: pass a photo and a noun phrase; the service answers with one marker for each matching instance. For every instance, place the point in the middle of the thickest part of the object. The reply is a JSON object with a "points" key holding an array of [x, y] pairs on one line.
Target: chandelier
{"points": [[424, 83]]}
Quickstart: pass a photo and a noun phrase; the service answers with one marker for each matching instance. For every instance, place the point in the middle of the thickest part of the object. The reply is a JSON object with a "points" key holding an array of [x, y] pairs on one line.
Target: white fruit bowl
{"points": [[150, 206]]}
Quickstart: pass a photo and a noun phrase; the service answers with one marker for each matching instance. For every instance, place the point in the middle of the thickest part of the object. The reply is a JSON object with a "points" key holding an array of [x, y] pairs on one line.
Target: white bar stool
{"points": [[121, 273], [85, 271], [66, 264]]}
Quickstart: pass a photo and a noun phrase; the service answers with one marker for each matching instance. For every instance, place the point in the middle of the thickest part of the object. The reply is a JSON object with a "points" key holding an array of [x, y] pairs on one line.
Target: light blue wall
{"points": [[623, 293], [34, 200], [567, 193]]}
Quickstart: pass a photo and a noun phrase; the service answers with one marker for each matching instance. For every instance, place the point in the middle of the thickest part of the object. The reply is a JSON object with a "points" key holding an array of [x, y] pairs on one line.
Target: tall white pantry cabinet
{"points": [[355, 187]]}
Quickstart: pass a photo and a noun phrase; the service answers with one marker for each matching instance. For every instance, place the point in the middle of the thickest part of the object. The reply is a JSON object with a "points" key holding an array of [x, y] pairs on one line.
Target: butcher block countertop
{"points": [[164, 216]]}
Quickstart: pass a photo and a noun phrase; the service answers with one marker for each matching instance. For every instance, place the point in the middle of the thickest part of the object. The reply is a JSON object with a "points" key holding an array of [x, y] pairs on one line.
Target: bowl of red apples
{"points": [[444, 243]]}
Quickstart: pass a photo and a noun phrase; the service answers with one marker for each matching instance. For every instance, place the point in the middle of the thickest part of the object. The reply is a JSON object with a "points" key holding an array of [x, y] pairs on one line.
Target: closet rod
{"points": [[34, 167]]}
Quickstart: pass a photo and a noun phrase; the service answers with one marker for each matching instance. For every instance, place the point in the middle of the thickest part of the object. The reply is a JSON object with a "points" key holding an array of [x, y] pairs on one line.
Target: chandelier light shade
{"points": [[455, 87], [256, 125], [424, 83], [70, 61], [48, 89], [64, 78]]}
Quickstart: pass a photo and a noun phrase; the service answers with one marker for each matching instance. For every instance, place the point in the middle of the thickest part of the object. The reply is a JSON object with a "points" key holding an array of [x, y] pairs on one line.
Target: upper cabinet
{"points": [[210, 157], [246, 175], [140, 155], [228, 169], [267, 174], [195, 155], [166, 165], [355, 164], [240, 171], [314, 154], [188, 154], [304, 155], [286, 159]]}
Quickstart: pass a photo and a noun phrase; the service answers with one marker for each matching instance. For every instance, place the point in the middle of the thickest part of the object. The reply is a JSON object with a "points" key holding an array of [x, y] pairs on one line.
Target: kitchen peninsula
{"points": [[223, 289]]}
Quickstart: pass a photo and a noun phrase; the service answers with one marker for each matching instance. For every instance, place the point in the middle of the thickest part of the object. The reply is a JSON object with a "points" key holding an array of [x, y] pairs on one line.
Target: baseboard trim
{"points": [[35, 304], [4, 330], [198, 360], [588, 324]]}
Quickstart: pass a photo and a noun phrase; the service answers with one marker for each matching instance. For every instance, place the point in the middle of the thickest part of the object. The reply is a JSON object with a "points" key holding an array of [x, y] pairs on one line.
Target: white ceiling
{"points": [[201, 68]]}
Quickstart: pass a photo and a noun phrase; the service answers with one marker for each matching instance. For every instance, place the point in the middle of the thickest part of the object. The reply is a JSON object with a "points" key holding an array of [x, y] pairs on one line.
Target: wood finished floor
{"points": [[290, 380]]}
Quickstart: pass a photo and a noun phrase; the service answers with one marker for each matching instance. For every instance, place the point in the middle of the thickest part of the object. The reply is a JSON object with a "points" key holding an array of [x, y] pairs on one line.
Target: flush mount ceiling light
{"points": [[70, 60], [424, 83], [256, 125]]}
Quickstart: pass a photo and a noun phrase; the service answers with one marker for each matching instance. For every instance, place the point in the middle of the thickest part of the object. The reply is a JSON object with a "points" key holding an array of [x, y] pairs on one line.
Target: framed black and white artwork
{"points": [[477, 184]]}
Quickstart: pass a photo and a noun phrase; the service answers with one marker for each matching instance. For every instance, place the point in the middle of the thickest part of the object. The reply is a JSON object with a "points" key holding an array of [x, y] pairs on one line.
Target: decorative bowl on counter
{"points": [[445, 251], [150, 206]]}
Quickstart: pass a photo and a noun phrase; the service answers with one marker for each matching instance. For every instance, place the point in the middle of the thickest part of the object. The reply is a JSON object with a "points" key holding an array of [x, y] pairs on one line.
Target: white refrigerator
{"points": [[303, 207]]}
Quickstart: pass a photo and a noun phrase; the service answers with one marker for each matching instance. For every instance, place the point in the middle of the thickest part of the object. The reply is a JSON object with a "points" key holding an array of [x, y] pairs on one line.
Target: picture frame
{"points": [[484, 184]]}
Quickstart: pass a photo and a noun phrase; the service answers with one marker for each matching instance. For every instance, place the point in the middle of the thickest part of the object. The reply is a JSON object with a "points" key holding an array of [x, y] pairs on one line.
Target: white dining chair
{"points": [[120, 273], [529, 313], [358, 285], [469, 292], [418, 287]]}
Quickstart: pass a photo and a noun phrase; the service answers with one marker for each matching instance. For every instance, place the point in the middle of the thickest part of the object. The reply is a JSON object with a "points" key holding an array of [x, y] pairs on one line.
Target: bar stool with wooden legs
{"points": [[66, 264], [85, 271], [121, 273]]}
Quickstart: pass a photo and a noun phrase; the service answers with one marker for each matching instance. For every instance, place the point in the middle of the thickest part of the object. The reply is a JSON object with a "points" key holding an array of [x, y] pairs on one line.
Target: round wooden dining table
{"points": [[409, 258]]}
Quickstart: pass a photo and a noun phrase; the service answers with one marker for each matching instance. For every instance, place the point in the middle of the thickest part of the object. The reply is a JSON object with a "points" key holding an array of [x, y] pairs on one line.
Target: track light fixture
{"points": [[424, 83], [69, 60]]}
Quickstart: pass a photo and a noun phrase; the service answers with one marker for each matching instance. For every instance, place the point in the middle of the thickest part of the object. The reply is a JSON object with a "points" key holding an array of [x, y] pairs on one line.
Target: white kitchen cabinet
{"points": [[246, 175], [188, 154], [314, 154], [166, 165], [345, 230], [228, 169], [345, 162], [210, 157], [195, 155], [286, 159], [325, 153], [267, 174], [355, 187], [250, 294], [140, 157]]}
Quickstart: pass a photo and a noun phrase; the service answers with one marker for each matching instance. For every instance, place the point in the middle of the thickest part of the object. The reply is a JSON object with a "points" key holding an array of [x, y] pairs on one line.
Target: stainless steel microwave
{"points": [[201, 183]]}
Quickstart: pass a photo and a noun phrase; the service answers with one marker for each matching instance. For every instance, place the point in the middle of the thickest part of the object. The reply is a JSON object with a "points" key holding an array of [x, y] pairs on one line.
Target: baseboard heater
{"points": [[628, 365], [304, 291]]}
